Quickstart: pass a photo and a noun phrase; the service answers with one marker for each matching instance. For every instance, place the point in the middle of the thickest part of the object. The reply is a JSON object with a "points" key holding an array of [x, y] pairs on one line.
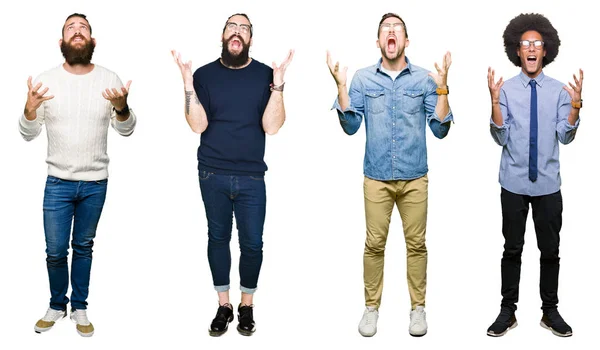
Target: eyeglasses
{"points": [[538, 44], [243, 28], [386, 27]]}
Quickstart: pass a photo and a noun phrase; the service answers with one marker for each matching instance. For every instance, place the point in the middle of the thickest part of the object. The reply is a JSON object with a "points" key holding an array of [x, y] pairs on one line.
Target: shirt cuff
{"points": [[495, 126]]}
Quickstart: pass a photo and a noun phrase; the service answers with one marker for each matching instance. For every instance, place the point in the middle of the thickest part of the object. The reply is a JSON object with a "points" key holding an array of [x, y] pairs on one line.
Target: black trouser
{"points": [[547, 217]]}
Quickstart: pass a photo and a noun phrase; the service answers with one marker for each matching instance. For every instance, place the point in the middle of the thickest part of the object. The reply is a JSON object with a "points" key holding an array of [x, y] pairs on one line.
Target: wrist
{"points": [[122, 111]]}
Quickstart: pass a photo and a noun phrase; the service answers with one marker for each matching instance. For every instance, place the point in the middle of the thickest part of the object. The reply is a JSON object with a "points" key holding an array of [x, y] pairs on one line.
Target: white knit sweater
{"points": [[77, 120]]}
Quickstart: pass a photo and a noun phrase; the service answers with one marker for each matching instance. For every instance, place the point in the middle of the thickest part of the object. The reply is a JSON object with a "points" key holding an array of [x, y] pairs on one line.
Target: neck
{"points": [[78, 69], [531, 75], [239, 67], [395, 65]]}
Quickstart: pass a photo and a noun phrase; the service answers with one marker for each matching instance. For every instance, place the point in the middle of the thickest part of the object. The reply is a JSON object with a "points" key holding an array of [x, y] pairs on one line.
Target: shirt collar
{"points": [[408, 66], [539, 80]]}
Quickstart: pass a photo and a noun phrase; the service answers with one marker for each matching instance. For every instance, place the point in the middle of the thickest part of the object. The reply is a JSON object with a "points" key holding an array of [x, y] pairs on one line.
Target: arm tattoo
{"points": [[188, 97]]}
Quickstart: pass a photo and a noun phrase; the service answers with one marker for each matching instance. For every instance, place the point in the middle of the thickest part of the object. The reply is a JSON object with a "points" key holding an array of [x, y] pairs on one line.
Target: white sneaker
{"points": [[84, 327], [368, 324], [46, 322], [418, 324]]}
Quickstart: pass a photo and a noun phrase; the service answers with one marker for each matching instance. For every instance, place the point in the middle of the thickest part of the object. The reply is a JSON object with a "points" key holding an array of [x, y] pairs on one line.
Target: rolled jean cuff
{"points": [[247, 290], [222, 288]]}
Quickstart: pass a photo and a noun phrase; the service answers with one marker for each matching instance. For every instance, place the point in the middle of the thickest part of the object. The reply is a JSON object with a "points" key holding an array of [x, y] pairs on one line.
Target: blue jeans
{"points": [[244, 196], [67, 202]]}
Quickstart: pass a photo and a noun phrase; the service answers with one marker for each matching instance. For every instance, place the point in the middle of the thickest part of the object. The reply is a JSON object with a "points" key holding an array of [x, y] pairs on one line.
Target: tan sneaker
{"points": [[84, 327], [45, 323]]}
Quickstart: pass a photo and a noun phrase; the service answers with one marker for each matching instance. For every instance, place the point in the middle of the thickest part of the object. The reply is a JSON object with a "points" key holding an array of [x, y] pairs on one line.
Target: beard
{"points": [[78, 55], [385, 54], [235, 60]]}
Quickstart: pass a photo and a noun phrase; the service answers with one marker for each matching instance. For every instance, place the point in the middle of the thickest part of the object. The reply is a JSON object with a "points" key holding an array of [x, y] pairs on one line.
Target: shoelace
{"points": [[418, 316], [370, 317], [52, 314], [81, 317]]}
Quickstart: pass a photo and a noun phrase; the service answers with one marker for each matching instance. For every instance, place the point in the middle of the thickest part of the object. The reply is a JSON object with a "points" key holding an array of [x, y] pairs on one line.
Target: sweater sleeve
{"points": [[30, 129], [124, 128]]}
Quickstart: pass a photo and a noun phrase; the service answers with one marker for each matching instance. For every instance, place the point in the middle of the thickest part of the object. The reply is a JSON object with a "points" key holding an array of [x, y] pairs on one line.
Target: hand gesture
{"points": [[575, 90], [441, 78], [185, 68], [279, 71], [116, 97], [340, 76], [35, 97], [494, 86]]}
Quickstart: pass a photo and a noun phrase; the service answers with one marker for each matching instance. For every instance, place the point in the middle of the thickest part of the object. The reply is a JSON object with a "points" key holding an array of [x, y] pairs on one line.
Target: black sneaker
{"points": [[506, 320], [246, 320], [554, 322], [221, 321]]}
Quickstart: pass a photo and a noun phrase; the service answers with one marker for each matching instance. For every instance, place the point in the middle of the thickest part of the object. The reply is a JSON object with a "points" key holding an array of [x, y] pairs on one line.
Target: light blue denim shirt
{"points": [[554, 106], [395, 113]]}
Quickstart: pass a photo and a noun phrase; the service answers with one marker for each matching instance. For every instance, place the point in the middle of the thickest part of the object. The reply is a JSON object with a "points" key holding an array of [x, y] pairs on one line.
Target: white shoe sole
{"points": [[554, 332], [492, 334], [365, 334]]}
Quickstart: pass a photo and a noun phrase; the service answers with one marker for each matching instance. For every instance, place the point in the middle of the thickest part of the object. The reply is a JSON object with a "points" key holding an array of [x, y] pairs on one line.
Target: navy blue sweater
{"points": [[234, 101]]}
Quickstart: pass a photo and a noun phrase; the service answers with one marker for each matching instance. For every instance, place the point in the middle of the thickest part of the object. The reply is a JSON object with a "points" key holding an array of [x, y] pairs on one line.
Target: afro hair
{"points": [[526, 22]]}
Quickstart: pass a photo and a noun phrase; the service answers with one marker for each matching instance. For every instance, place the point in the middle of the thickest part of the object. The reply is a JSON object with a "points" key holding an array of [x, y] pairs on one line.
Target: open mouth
{"points": [[235, 44], [391, 44], [531, 59]]}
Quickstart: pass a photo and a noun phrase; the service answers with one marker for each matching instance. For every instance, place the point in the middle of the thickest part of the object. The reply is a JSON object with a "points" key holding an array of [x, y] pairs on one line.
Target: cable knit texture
{"points": [[77, 120]]}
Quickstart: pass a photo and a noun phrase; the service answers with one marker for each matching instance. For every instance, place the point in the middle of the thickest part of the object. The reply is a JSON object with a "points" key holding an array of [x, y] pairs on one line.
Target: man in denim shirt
{"points": [[531, 113], [397, 100]]}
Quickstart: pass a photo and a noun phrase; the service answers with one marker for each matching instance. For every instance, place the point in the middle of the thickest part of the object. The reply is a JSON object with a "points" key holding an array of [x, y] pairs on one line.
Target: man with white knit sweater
{"points": [[76, 101]]}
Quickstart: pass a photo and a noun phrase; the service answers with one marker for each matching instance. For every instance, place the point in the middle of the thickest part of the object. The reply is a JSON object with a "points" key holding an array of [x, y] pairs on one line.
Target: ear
{"points": [[94, 41], [544, 52], [407, 42], [377, 42], [60, 42], [519, 52]]}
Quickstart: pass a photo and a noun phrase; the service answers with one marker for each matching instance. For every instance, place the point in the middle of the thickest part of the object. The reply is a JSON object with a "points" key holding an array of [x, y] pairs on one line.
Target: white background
{"points": [[151, 285]]}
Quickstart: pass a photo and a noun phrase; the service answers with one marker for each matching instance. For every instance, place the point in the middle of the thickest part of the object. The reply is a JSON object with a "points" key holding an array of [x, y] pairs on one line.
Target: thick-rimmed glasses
{"points": [[525, 44], [234, 27], [387, 27]]}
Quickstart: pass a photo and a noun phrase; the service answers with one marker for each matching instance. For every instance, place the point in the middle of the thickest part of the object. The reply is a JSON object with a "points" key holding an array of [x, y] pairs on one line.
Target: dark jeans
{"points": [[76, 204], [547, 217], [244, 196]]}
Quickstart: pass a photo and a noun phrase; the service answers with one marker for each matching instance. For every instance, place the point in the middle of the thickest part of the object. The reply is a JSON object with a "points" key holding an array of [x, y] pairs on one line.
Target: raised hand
{"points": [[340, 76], [35, 98], [117, 98], [494, 86], [279, 71], [575, 90], [441, 78], [184, 67]]}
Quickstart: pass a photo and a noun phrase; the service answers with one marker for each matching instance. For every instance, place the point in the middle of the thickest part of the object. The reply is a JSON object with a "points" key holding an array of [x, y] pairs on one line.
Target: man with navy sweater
{"points": [[232, 102]]}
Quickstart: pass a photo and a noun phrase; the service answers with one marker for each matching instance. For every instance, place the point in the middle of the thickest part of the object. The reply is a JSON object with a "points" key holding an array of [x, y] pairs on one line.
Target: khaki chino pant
{"points": [[411, 198]]}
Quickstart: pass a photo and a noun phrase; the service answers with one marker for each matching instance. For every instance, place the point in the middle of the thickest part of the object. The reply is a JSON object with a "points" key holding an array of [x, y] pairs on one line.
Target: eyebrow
{"points": [[70, 24]]}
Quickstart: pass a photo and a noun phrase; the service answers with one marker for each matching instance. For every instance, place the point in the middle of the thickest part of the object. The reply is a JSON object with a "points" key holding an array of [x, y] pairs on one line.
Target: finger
{"points": [[575, 78], [437, 67], [105, 95], [499, 83], [49, 97], [580, 74], [345, 70], [329, 61], [448, 59], [274, 65], [289, 58], [128, 85], [116, 92], [29, 83], [109, 95], [572, 86], [36, 87], [124, 91], [43, 91]]}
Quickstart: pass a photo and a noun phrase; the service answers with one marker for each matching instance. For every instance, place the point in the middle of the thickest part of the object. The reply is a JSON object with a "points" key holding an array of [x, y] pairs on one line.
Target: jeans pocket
{"points": [[101, 182], [375, 100], [51, 180], [204, 175], [412, 101]]}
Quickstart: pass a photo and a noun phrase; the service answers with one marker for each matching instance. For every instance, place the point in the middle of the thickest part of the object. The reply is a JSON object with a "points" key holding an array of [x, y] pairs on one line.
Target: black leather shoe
{"points": [[554, 322], [246, 320], [221, 321]]}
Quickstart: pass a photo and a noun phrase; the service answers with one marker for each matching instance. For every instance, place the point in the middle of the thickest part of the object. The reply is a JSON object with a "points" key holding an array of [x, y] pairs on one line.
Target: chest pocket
{"points": [[375, 100], [412, 101]]}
